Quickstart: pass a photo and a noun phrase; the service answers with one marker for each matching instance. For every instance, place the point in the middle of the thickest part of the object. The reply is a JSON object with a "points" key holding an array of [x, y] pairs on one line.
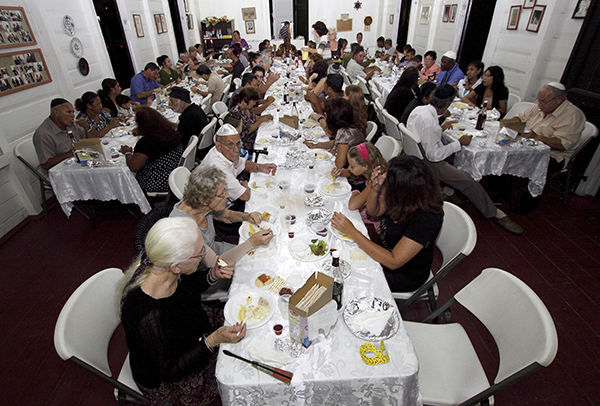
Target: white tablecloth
{"points": [[72, 181], [384, 83], [331, 370]]}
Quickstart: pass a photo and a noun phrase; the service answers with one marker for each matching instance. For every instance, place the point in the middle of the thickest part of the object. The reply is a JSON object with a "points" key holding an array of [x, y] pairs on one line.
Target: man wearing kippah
{"points": [[451, 73], [53, 140], [556, 122], [423, 121], [192, 118]]}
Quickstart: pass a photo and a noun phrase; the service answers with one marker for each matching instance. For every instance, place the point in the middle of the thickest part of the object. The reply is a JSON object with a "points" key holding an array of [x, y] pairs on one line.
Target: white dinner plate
{"points": [[300, 250], [320, 155], [272, 211], [244, 230], [344, 189], [233, 306], [263, 183]]}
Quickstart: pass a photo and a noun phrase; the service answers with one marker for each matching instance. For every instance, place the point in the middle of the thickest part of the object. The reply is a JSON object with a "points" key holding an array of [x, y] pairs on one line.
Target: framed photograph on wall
{"points": [[158, 24], [581, 9], [446, 15], [250, 27], [249, 13], [163, 22], [189, 19], [513, 18], [139, 28], [425, 14], [535, 20], [22, 70], [453, 12], [15, 30], [529, 4], [186, 6]]}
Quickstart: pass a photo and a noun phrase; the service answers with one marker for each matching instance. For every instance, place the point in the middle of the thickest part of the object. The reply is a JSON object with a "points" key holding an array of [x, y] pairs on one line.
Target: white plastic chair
{"points": [[379, 110], [207, 134], [371, 130], [375, 93], [225, 95], [237, 82], [456, 241], [227, 79], [86, 324], [518, 108], [450, 372], [177, 180], [126, 92], [362, 82], [411, 143], [346, 77], [391, 126], [388, 146], [512, 100], [206, 103], [188, 158], [219, 108]]}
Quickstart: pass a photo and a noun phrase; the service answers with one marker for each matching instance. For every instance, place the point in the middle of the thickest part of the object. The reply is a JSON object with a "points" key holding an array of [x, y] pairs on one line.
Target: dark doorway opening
{"points": [[271, 19], [403, 22], [301, 19], [475, 32], [177, 30], [114, 37]]}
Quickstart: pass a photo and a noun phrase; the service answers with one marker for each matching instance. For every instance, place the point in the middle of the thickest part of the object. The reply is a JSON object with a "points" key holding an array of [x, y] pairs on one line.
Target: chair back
{"points": [[411, 143], [346, 77], [86, 324], [375, 92], [205, 105], [188, 158], [145, 224], [512, 100], [227, 79], [379, 110], [207, 134], [25, 152], [371, 130], [589, 131], [362, 82], [515, 316], [518, 108], [225, 95], [126, 92], [219, 108], [177, 180], [457, 237], [237, 82], [388, 146], [391, 126]]}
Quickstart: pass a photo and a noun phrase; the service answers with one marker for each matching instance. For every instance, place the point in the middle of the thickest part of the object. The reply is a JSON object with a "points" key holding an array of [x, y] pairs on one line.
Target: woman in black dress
{"points": [[493, 90], [403, 93], [412, 216]]}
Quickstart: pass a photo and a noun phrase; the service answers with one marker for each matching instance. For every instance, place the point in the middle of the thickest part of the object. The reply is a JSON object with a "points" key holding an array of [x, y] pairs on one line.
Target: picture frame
{"points": [[513, 18], [453, 12], [139, 28], [425, 14], [446, 15], [15, 30], [20, 70], [391, 19], [529, 4], [250, 29], [249, 13], [535, 19], [186, 6], [581, 9], [158, 24], [189, 19], [163, 22]]}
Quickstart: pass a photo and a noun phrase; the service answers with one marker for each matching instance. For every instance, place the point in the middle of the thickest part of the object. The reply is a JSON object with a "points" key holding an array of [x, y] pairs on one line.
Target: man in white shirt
{"points": [[389, 50], [225, 155], [355, 69], [215, 84], [424, 122]]}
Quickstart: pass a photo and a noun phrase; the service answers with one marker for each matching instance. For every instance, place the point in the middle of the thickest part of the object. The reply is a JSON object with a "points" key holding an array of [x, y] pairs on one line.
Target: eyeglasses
{"points": [[231, 145], [542, 103], [201, 255]]}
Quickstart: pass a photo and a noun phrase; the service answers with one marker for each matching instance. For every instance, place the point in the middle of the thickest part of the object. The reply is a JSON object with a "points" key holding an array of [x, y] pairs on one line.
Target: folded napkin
{"points": [[373, 322], [261, 348]]}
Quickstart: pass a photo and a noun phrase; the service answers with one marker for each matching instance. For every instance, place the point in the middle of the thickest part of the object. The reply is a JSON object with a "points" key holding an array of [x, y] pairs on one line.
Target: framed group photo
{"points": [[425, 14], [22, 70], [14, 28]]}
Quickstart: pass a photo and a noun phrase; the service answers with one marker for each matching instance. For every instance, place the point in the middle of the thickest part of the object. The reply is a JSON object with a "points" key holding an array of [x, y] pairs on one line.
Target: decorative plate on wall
{"points": [[84, 67], [77, 47], [69, 24]]}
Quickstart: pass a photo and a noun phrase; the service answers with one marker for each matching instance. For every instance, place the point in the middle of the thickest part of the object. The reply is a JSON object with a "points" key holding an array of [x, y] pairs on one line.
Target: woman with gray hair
{"points": [[204, 200], [171, 337]]}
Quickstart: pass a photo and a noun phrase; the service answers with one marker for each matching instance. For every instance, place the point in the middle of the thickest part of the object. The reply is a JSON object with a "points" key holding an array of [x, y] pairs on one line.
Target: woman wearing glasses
{"points": [[172, 339]]}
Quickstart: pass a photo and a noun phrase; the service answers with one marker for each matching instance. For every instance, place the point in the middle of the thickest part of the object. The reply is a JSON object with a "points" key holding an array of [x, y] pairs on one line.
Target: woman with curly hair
{"points": [[412, 215], [156, 154], [242, 104], [493, 90]]}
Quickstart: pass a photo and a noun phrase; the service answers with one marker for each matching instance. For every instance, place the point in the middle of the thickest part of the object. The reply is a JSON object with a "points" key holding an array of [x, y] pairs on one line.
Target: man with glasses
{"points": [[556, 122], [225, 155]]}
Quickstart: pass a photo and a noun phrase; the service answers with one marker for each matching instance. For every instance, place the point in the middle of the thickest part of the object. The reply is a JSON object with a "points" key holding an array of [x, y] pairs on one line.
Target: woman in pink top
{"points": [[430, 69]]}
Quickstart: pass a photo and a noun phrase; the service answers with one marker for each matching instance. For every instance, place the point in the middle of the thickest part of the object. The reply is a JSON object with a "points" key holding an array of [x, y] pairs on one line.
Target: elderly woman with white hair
{"points": [[172, 339], [204, 200]]}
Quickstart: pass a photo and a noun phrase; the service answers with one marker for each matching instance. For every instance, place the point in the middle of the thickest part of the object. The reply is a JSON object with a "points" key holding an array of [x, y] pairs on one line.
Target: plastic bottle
{"points": [[338, 279]]}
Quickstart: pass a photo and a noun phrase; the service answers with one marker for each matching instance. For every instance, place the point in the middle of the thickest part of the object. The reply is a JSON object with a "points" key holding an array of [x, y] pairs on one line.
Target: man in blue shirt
{"points": [[451, 73], [144, 84]]}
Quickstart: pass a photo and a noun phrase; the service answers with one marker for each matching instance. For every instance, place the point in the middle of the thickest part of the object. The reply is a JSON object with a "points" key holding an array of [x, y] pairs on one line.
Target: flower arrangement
{"points": [[214, 20]]}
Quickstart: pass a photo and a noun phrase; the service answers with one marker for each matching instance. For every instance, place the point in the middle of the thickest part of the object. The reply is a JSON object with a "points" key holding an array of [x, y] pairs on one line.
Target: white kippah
{"points": [[557, 85], [450, 55], [226, 129]]}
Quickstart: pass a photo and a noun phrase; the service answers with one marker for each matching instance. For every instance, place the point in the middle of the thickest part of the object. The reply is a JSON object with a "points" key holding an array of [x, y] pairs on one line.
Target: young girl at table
{"points": [[411, 218]]}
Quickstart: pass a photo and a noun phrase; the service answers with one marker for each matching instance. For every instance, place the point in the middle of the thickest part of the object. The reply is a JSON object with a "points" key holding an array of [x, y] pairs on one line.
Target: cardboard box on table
{"points": [[300, 321], [87, 144]]}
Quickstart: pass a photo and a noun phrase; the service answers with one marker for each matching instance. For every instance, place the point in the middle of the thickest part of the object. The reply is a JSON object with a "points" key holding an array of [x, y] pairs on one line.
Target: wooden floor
{"points": [[558, 256]]}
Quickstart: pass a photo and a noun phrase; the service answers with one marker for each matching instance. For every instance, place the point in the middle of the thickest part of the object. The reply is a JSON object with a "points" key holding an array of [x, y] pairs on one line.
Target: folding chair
{"points": [[388, 146], [371, 130], [177, 180]]}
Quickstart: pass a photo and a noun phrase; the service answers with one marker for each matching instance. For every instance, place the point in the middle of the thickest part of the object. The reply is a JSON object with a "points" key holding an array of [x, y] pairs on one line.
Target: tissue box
{"points": [[300, 318], [292, 121], [86, 148]]}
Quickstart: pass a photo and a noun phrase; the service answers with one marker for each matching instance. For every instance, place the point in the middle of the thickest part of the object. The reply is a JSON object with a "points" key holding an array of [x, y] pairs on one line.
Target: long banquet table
{"points": [[331, 370]]}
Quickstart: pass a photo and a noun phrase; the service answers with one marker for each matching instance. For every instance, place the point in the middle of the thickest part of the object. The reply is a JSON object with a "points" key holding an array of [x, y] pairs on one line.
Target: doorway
{"points": [[475, 32], [114, 38], [301, 19], [177, 29], [403, 22]]}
